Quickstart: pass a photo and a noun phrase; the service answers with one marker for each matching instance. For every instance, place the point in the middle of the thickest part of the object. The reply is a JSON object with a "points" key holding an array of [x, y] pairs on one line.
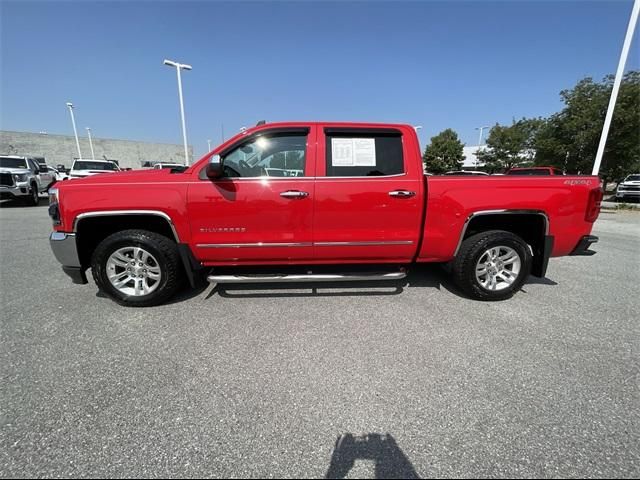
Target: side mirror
{"points": [[214, 168]]}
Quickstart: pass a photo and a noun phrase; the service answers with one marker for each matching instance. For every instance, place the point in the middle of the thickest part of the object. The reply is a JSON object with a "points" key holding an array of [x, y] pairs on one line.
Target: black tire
{"points": [[163, 249], [471, 250], [33, 200]]}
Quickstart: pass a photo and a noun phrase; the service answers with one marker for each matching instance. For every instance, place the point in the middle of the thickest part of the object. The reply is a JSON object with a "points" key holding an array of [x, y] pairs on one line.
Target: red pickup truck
{"points": [[296, 202]]}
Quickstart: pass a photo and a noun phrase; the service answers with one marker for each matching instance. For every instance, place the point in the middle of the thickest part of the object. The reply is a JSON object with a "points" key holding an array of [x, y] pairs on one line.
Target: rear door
{"points": [[261, 211], [368, 195]]}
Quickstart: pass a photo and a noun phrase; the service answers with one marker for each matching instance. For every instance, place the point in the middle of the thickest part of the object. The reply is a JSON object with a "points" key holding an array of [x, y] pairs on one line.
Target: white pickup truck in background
{"points": [[23, 179], [84, 168]]}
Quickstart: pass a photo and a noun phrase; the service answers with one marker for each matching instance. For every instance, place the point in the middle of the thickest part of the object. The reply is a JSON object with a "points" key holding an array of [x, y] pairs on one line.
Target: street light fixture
{"points": [[93, 155], [178, 67], [75, 131]]}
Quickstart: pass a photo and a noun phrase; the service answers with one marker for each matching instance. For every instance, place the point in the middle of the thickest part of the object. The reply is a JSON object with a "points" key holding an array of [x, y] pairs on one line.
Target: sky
{"points": [[440, 65]]}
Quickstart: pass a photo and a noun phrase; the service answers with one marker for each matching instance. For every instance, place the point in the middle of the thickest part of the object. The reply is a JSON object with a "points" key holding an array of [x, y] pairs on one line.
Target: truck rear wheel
{"points": [[137, 268], [492, 265]]}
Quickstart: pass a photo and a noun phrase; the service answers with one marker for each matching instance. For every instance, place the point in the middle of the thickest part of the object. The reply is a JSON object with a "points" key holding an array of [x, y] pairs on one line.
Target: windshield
{"points": [[8, 162], [632, 178], [83, 165]]}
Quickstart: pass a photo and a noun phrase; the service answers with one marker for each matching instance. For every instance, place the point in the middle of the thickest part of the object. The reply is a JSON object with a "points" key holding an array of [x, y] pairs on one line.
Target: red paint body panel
{"points": [[452, 200], [337, 209]]}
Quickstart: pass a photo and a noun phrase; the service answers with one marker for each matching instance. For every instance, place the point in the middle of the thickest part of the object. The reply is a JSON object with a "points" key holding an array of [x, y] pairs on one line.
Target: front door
{"points": [[261, 212], [368, 195]]}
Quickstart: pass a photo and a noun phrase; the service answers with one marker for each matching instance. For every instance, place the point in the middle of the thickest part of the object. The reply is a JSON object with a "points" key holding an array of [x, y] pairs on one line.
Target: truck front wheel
{"points": [[137, 268], [33, 199], [492, 265]]}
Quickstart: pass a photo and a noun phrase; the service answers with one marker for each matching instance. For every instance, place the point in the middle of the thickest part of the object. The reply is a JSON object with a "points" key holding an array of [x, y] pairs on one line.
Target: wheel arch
{"points": [[93, 227], [530, 225]]}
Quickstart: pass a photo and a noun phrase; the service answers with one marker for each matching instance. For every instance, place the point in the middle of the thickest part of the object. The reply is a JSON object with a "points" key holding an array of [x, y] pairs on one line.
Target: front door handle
{"points": [[294, 194], [402, 194]]}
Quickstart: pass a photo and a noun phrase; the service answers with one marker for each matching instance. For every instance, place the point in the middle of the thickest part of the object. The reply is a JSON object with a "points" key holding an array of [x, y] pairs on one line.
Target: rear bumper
{"points": [[65, 250], [583, 245]]}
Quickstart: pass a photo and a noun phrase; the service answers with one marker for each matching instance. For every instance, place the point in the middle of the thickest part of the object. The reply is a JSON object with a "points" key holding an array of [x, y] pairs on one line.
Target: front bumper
{"points": [[583, 246], [628, 194], [13, 191], [65, 250]]}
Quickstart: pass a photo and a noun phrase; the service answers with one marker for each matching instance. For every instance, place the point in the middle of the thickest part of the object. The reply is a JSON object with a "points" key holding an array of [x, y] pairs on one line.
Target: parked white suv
{"points": [[22, 178], [629, 187], [83, 168]]}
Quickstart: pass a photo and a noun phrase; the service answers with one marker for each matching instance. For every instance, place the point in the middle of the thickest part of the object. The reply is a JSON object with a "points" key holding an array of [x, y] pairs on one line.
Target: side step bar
{"points": [[309, 277]]}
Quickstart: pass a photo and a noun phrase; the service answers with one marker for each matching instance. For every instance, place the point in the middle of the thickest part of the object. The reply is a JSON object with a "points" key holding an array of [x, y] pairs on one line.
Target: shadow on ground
{"points": [[15, 203], [389, 460]]}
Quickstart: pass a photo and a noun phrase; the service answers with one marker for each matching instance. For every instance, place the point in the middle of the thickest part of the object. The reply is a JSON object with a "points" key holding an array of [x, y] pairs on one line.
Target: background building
{"points": [[470, 160], [62, 149]]}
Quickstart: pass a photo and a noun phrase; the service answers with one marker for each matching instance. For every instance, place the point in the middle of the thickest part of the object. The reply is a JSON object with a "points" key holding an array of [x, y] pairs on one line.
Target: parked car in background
{"points": [[61, 168], [160, 166], [85, 168], [23, 179], [59, 176], [629, 188], [465, 172], [535, 171], [362, 200]]}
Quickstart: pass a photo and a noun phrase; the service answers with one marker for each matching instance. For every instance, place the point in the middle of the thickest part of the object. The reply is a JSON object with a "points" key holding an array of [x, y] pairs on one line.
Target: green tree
{"points": [[569, 139], [444, 153], [508, 146]]}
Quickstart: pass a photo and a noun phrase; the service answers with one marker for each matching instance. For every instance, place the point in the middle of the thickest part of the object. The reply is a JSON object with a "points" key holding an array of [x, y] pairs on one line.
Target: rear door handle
{"points": [[294, 194], [402, 194]]}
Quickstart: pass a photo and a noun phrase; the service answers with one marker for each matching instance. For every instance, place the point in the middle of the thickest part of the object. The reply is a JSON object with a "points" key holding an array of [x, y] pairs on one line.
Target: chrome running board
{"points": [[308, 277]]}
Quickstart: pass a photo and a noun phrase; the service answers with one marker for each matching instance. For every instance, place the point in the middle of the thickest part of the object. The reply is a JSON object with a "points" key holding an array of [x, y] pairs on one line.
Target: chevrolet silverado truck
{"points": [[313, 202]]}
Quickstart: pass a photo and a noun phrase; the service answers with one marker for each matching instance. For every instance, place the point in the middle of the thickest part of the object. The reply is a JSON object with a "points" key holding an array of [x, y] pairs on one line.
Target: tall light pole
{"points": [[75, 132], [93, 155], [178, 67], [479, 142], [616, 85], [480, 137], [209, 144]]}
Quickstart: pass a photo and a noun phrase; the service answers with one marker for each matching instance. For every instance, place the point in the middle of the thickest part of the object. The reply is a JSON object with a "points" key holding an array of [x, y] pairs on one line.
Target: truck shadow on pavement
{"points": [[389, 460], [420, 276], [13, 203]]}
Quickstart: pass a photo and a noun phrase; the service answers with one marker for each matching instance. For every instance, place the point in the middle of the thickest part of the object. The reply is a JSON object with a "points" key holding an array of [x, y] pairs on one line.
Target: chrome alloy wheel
{"points": [[498, 268], [133, 271]]}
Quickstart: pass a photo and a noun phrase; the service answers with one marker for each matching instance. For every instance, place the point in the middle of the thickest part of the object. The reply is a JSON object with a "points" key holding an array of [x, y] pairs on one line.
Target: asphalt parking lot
{"points": [[261, 382]]}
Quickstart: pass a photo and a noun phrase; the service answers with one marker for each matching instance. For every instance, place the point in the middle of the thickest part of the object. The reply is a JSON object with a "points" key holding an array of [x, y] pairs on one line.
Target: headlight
{"points": [[54, 206], [20, 177], [53, 195]]}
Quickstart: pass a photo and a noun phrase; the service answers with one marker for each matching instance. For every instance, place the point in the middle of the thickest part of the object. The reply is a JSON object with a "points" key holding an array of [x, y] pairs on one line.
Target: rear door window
{"points": [[371, 153]]}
